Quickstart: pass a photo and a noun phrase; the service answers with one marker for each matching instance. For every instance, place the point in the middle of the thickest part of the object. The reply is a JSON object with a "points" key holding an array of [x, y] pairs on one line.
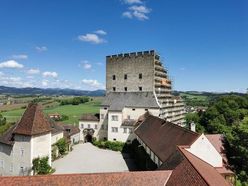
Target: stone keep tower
{"points": [[144, 72]]}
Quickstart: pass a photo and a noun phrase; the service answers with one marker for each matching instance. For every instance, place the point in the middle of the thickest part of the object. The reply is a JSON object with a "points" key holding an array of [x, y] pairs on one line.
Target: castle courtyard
{"points": [[86, 158]]}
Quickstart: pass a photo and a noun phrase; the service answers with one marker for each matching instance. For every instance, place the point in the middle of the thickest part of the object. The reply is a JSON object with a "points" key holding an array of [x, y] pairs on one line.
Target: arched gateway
{"points": [[88, 135]]}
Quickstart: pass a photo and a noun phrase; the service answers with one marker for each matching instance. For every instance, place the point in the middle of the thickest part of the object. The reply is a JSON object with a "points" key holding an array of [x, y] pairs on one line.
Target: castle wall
{"points": [[132, 65]]}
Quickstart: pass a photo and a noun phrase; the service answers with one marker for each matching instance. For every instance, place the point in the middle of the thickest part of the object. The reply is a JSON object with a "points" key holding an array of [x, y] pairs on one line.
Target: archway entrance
{"points": [[88, 135], [88, 138]]}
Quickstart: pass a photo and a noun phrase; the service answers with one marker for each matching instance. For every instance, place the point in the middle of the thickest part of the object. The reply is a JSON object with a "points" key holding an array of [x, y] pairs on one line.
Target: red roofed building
{"points": [[28, 139]]}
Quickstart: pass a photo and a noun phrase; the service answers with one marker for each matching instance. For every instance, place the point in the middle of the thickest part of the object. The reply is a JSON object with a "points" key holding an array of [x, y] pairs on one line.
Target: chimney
{"points": [[192, 126]]}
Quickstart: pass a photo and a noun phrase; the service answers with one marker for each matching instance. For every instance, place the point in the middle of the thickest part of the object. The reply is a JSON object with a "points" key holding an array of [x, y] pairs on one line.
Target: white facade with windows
{"points": [[16, 159]]}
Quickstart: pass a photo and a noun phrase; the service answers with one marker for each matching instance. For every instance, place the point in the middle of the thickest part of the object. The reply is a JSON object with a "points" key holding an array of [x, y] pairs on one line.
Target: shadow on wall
{"points": [[136, 157]]}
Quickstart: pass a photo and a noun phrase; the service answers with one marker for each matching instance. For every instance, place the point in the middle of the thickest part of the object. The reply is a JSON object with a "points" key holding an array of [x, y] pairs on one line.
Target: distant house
{"points": [[30, 138], [55, 116]]}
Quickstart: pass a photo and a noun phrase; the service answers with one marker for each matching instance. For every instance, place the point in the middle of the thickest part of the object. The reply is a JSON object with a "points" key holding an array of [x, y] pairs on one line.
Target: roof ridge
{"points": [[183, 128], [36, 107]]}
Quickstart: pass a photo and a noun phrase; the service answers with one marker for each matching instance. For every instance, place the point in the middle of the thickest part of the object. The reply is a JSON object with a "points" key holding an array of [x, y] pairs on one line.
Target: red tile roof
{"points": [[163, 137], [33, 122], [217, 140], [98, 179], [89, 117], [206, 171]]}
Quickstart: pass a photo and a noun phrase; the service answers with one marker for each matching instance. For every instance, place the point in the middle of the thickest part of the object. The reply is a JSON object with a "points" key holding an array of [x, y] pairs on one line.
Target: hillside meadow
{"points": [[72, 111]]}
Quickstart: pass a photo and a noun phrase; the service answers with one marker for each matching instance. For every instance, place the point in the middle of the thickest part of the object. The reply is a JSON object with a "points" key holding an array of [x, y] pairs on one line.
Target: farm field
{"points": [[72, 111]]}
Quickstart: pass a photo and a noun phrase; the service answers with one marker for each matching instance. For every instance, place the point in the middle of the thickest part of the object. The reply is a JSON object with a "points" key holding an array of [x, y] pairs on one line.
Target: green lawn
{"points": [[73, 111]]}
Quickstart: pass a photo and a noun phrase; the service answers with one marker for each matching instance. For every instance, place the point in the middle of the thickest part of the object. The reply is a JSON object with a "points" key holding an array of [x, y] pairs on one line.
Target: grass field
{"points": [[73, 111]]}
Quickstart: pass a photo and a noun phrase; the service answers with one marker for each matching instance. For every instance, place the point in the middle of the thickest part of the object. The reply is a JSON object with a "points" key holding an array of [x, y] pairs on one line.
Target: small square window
{"points": [[105, 108], [140, 76], [146, 109], [125, 88], [82, 126], [133, 109], [125, 76], [95, 126], [140, 88], [114, 139], [88, 126], [114, 89], [113, 77]]}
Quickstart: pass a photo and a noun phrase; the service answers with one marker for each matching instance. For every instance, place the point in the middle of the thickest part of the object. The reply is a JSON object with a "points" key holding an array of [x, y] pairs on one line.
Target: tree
{"points": [[62, 146]]}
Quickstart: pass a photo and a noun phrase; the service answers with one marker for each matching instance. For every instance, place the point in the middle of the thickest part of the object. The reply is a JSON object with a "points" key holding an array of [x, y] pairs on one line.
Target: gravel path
{"points": [[86, 158]]}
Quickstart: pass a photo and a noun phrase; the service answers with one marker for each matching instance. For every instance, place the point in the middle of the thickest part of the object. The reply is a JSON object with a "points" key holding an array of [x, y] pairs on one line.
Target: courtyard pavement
{"points": [[86, 158]]}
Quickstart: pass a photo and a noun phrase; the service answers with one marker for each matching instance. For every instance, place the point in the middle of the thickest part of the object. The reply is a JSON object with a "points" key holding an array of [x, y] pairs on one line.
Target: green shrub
{"points": [[112, 145], [62, 146], [41, 166]]}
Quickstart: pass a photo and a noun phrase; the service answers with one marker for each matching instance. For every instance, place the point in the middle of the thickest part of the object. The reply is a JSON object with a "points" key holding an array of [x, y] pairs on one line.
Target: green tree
{"points": [[62, 146]]}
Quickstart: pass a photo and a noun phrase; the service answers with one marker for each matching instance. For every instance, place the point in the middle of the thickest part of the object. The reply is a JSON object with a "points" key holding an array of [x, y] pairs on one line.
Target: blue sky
{"points": [[61, 43]]}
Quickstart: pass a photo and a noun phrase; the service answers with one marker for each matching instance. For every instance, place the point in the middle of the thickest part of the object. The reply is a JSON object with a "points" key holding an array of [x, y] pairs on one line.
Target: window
{"points": [[95, 126], [88, 126], [140, 88], [114, 129], [11, 167], [113, 77], [105, 108], [130, 130], [125, 76], [146, 109], [1, 164], [125, 88], [128, 117], [114, 89], [82, 126], [133, 109], [22, 152], [114, 139], [140, 76], [124, 130], [114, 118], [102, 116]]}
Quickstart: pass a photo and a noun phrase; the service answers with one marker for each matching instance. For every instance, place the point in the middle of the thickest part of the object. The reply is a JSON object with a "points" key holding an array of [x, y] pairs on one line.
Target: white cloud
{"points": [[20, 56], [50, 74], [92, 83], [91, 38], [33, 71], [139, 12], [127, 14], [132, 1], [11, 64], [101, 32], [44, 83], [1, 73], [41, 49], [85, 64], [14, 81]]}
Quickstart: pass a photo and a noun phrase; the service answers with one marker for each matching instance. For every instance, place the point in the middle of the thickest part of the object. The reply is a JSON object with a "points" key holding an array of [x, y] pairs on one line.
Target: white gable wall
{"points": [[41, 146], [204, 150]]}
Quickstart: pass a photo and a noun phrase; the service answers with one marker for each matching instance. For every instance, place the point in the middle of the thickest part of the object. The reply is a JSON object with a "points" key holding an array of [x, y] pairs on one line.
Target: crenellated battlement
{"points": [[134, 54]]}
